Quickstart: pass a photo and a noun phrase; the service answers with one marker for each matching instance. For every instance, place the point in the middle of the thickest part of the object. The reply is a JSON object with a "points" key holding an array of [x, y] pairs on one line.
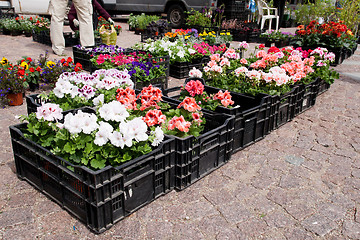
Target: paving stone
{"points": [[298, 233], [279, 196], [128, 229], [297, 161], [332, 211], [220, 197], [16, 216], [279, 219], [342, 200], [200, 209], [186, 231], [355, 173], [158, 229], [319, 224], [299, 210], [357, 213], [212, 226], [351, 229], [20, 232], [252, 228], [261, 205], [290, 181], [235, 212], [23, 199]]}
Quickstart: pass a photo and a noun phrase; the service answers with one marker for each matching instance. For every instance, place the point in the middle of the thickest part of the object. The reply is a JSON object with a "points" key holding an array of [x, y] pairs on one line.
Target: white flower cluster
{"points": [[177, 50], [49, 112], [85, 85], [80, 122], [113, 111], [195, 73]]}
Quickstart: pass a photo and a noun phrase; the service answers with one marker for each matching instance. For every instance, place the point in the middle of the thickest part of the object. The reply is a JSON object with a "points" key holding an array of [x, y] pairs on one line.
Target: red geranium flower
{"points": [[194, 88], [69, 60], [189, 104], [154, 117], [32, 69]]}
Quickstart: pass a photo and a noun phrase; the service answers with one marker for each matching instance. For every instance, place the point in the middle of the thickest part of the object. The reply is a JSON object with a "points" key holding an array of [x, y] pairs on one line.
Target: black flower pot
{"points": [[33, 86]]}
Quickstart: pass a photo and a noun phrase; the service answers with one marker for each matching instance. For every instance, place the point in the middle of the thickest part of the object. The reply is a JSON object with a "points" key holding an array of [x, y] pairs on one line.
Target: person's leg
{"points": [[84, 11], [58, 11]]}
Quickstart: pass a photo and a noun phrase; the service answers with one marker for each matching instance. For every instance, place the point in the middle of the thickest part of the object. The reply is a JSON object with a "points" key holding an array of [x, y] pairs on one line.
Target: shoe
{"points": [[59, 54]]}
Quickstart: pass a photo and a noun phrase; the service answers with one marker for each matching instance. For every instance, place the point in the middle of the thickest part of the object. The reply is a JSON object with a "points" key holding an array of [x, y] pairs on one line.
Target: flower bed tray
{"points": [[284, 107], [44, 38], [323, 86], [83, 57], [306, 97], [98, 198], [33, 101], [198, 156], [252, 118], [181, 69]]}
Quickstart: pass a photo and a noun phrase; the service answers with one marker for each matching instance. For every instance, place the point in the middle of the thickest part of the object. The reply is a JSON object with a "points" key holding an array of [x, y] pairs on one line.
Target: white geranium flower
{"points": [[104, 133], [49, 112], [58, 92], [114, 111], [98, 100], [72, 123], [89, 123], [139, 128], [159, 136], [117, 140]]}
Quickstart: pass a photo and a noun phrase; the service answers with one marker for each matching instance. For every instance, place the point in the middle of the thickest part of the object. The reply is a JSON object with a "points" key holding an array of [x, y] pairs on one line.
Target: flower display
{"points": [[272, 72], [77, 89], [202, 99]]}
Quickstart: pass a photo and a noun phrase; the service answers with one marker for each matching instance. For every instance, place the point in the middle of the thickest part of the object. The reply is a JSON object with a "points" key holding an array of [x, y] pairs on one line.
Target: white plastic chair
{"points": [[265, 14]]}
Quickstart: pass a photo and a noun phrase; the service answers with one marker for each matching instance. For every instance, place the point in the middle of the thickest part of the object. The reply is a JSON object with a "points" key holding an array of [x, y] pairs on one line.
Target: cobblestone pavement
{"points": [[301, 182]]}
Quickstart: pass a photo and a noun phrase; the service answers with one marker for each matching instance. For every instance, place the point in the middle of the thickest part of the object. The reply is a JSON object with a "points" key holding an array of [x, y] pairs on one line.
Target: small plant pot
{"points": [[15, 99], [27, 34], [16, 33], [33, 86]]}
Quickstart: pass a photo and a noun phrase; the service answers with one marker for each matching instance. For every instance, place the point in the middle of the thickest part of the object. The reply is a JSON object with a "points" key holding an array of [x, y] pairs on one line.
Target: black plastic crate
{"points": [[181, 69], [146, 36], [284, 107], [198, 156], [323, 86], [237, 14], [306, 97], [252, 118], [33, 101], [98, 198], [83, 57]]}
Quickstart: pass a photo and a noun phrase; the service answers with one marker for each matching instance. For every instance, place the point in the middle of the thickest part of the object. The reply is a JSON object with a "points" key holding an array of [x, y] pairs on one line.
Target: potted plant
{"points": [[12, 84], [27, 27]]}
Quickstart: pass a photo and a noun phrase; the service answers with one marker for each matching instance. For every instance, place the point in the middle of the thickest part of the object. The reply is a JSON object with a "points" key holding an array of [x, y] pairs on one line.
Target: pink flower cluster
{"points": [[205, 49], [194, 88], [224, 97], [216, 64]]}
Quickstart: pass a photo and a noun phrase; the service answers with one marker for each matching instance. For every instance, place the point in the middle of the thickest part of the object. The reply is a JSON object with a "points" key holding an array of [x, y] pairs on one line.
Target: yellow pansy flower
{"points": [[228, 33], [222, 33], [4, 61], [50, 64], [24, 65], [349, 32]]}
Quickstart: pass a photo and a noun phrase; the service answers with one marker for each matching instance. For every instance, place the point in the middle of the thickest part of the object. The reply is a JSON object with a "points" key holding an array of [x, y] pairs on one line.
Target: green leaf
{"points": [[97, 163]]}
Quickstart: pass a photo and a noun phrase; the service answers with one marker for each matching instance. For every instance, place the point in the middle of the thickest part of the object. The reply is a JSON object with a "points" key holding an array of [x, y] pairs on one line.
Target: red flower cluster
{"points": [[154, 117], [194, 88], [224, 97], [150, 96], [127, 97], [179, 123], [335, 29], [189, 104]]}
